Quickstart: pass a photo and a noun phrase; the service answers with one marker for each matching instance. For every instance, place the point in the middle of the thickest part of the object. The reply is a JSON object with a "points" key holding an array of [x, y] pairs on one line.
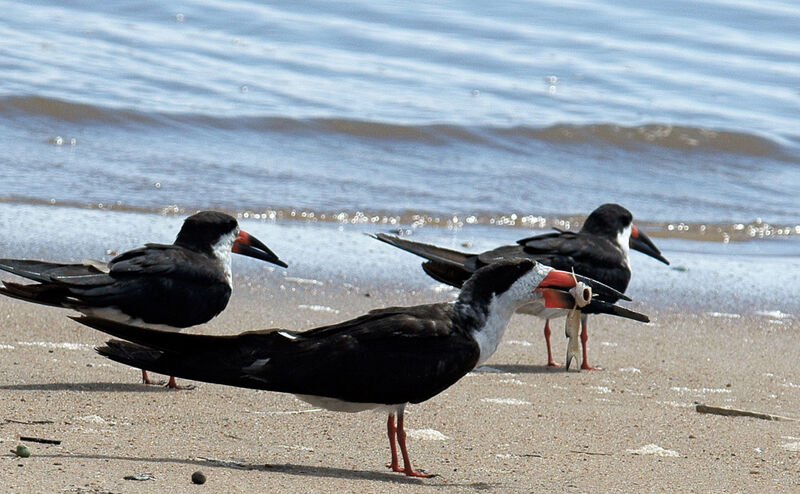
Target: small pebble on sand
{"points": [[198, 477]]}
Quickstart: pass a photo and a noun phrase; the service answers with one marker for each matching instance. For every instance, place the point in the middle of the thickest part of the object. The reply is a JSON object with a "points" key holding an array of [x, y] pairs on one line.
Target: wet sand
{"points": [[513, 426]]}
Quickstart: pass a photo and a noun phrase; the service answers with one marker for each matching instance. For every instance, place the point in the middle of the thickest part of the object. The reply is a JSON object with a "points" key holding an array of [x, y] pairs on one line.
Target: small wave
{"points": [[676, 137], [668, 136], [39, 106]]}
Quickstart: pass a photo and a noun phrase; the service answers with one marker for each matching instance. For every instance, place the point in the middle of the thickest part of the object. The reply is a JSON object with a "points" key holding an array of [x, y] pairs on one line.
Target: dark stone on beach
{"points": [[198, 477]]}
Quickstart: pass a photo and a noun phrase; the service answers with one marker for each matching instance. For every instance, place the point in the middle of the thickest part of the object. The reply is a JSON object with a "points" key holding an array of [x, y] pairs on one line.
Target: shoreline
{"points": [[744, 278], [746, 230]]}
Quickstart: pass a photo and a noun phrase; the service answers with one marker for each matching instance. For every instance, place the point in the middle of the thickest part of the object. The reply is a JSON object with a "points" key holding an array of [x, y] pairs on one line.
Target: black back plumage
{"points": [[388, 356], [178, 285], [591, 252]]}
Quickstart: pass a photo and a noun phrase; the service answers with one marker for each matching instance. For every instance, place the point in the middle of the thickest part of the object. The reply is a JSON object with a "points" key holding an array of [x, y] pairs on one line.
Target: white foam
{"points": [[519, 342], [93, 419], [505, 401], [318, 308], [601, 389], [724, 314], [653, 449], [6, 347], [774, 314], [426, 434], [52, 345], [795, 446], [700, 390], [304, 281], [284, 412], [632, 370], [609, 343], [296, 448]]}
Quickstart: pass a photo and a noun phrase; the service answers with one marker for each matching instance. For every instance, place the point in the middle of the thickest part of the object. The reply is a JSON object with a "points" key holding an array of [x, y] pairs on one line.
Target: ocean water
{"points": [[487, 120]]}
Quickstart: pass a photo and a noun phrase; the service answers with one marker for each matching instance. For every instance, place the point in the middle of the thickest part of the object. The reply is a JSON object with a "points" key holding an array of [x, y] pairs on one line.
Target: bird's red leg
{"points": [[172, 384], [550, 361], [147, 380], [401, 439], [584, 339], [391, 432]]}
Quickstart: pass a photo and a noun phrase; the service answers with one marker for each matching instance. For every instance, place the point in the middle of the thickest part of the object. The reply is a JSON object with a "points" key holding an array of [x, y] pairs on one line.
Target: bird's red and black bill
{"points": [[560, 299], [248, 245], [564, 280], [641, 242]]}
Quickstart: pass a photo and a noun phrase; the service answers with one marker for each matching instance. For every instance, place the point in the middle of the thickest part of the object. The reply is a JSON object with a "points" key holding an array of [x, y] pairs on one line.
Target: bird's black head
{"points": [[202, 230], [493, 280], [614, 222], [608, 221]]}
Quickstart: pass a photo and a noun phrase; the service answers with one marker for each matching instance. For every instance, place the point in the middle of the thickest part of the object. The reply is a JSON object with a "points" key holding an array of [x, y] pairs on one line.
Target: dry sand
{"points": [[515, 426]]}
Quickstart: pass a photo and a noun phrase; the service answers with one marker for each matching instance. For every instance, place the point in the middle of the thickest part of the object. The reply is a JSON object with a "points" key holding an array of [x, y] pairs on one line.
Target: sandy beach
{"points": [[512, 426]]}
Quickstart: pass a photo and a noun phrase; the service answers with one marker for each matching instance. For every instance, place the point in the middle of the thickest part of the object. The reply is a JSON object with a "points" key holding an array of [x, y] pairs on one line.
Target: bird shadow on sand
{"points": [[520, 369], [286, 468], [101, 387]]}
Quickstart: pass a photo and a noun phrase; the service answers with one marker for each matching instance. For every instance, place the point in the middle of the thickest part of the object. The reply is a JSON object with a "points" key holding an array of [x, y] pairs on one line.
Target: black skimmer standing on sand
{"points": [[599, 251], [166, 286], [382, 360]]}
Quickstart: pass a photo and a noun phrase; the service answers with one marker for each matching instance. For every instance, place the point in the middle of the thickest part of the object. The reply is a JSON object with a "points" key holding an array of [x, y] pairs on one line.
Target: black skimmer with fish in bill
{"points": [[599, 251], [165, 286], [382, 360]]}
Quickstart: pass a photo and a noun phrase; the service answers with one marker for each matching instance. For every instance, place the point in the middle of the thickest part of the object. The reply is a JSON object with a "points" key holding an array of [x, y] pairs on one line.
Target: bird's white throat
{"points": [[503, 306], [624, 241], [222, 251]]}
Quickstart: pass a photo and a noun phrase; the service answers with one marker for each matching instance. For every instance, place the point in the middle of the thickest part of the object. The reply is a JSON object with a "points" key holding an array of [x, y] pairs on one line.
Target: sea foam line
{"points": [[49, 344]]}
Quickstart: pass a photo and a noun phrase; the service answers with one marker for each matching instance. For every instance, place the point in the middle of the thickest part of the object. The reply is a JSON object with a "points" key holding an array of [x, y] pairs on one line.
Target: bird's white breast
{"points": [[222, 251], [503, 306]]}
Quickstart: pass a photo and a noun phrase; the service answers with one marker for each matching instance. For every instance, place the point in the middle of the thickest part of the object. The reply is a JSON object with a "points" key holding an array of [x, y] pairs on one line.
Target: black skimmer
{"points": [[382, 360], [166, 286], [599, 251]]}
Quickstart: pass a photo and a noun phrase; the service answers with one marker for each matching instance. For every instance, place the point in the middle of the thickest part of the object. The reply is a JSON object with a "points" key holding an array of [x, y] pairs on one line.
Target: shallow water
{"points": [[742, 278], [685, 112]]}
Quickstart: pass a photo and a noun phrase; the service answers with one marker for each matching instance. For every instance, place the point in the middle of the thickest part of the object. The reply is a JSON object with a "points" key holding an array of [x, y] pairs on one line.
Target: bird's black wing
{"points": [[588, 255], [160, 284], [167, 260], [55, 280], [446, 266], [388, 356], [43, 271], [544, 238]]}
